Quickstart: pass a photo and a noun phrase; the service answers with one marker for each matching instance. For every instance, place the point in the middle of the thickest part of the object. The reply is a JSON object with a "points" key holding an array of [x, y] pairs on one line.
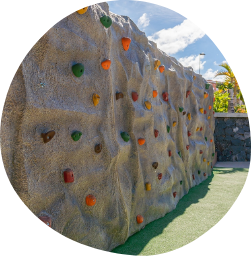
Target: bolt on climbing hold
{"points": [[106, 64], [189, 133], [204, 174], [207, 86], [148, 105], [170, 153], [194, 77], [201, 152], [156, 133], [155, 93], [148, 186], [135, 96], [189, 116], [125, 136], [193, 177], [90, 200], [47, 136], [198, 172], [155, 165], [68, 176], [95, 99], [141, 141], [208, 163], [156, 64], [187, 147], [197, 129], [181, 109], [184, 112], [208, 117], [78, 69], [213, 112], [106, 21], [98, 148], [139, 218], [211, 140], [205, 112], [174, 194], [126, 43], [205, 95], [160, 176], [181, 182], [179, 153], [83, 10], [165, 96], [168, 128], [204, 159], [161, 69], [201, 110], [76, 135], [205, 138], [212, 154], [46, 220], [174, 123], [188, 93], [209, 107], [119, 95], [201, 128]]}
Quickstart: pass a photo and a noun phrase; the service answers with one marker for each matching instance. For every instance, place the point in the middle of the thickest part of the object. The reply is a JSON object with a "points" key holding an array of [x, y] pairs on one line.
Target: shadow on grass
{"points": [[136, 243], [223, 170]]}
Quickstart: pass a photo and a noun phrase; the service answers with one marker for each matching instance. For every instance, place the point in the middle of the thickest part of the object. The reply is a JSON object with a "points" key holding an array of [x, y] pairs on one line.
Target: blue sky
{"points": [[174, 34]]}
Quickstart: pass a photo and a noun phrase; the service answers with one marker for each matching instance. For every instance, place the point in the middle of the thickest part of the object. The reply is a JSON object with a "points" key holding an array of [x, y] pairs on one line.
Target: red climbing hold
{"points": [[170, 153], [156, 133], [213, 112], [201, 128], [174, 194], [126, 43], [135, 96], [188, 93], [204, 174], [161, 69], [165, 96], [187, 146], [68, 176], [160, 176], [193, 177], [46, 220], [205, 112], [189, 133], [201, 152], [139, 219]]}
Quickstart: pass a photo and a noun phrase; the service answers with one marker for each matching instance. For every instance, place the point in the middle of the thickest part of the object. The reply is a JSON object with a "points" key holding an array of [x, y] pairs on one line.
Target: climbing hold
{"points": [[90, 200], [148, 186], [201, 110], [119, 95], [213, 112], [208, 117], [47, 136], [198, 172], [68, 176], [212, 154], [174, 194], [189, 116], [181, 109], [78, 69], [208, 163], [209, 107], [184, 112], [181, 182], [83, 10], [165, 96], [126, 43], [174, 123], [161, 69], [205, 95], [170, 153], [106, 21], [160, 176], [201, 128], [76, 135], [98, 148], [205, 112], [141, 141], [95, 99], [201, 152], [46, 220], [204, 159], [156, 64], [188, 93], [139, 219], [148, 105], [134, 96], [207, 86], [179, 153], [204, 174], [205, 138], [193, 177], [156, 133], [155, 93], [168, 128], [106, 64], [189, 133], [197, 129], [194, 77], [125, 136], [187, 147], [211, 140], [155, 165]]}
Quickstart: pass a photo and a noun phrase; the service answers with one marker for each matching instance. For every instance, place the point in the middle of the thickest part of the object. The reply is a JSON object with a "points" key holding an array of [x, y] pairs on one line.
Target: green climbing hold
{"points": [[78, 69], [198, 172], [213, 155], [181, 109], [168, 128], [125, 136], [76, 136], [181, 182], [106, 21], [205, 138], [179, 153], [207, 86]]}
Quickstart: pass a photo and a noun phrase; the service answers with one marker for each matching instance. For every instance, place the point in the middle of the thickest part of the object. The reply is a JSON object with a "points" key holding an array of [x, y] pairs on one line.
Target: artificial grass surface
{"points": [[195, 214]]}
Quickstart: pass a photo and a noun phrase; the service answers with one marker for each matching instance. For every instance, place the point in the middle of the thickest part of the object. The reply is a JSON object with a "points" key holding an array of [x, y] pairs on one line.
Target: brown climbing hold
{"points": [[189, 116], [209, 107], [155, 93], [201, 128], [106, 64], [139, 219], [98, 148], [156, 64], [170, 153], [126, 43], [47, 136], [68, 176], [148, 105], [46, 220], [174, 194], [155, 165], [161, 69], [174, 123], [134, 96], [141, 141], [184, 112], [189, 133], [165, 96], [193, 177], [197, 129], [188, 93], [90, 200], [204, 160], [201, 152], [83, 10], [205, 112], [187, 147], [95, 99], [148, 186], [156, 133], [160, 176], [119, 95], [204, 174]]}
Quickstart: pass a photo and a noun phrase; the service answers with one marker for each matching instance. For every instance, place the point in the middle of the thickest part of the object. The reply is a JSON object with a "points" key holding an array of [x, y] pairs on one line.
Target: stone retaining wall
{"points": [[232, 137]]}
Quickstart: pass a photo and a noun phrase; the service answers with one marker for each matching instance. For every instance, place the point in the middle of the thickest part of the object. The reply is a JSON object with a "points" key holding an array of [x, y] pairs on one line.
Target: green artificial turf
{"points": [[195, 214]]}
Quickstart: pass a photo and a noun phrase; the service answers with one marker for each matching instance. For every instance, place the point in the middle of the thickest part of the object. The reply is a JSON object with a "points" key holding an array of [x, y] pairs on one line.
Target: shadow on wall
{"points": [[136, 243]]}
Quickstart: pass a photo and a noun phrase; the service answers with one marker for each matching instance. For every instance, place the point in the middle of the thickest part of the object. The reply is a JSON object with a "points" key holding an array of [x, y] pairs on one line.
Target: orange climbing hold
{"points": [[211, 140], [148, 186], [141, 141], [204, 160], [155, 93], [209, 107], [197, 129], [205, 95], [148, 105], [106, 64], [126, 43], [201, 110], [161, 69], [83, 10], [208, 117], [156, 64], [90, 200], [174, 123], [95, 99], [139, 219]]}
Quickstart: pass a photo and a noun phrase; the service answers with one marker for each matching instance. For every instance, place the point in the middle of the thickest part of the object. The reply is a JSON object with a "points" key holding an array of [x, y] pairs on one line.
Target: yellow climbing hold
{"points": [[197, 129], [202, 110], [194, 77], [189, 116], [174, 123], [208, 163], [209, 117], [204, 160], [148, 105], [148, 186], [83, 10], [95, 99], [156, 64]]}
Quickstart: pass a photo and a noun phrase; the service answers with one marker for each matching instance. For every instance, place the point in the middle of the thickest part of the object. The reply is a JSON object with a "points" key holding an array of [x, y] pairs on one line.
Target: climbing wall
{"points": [[101, 131]]}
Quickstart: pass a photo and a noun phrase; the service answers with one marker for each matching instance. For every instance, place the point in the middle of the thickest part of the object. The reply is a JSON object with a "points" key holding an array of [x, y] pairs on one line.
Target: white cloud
{"points": [[217, 64], [143, 21], [193, 61], [210, 75], [176, 39]]}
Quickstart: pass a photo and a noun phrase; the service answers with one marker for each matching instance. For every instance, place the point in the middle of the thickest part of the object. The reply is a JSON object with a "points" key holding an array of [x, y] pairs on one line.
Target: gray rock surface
{"points": [[45, 95]]}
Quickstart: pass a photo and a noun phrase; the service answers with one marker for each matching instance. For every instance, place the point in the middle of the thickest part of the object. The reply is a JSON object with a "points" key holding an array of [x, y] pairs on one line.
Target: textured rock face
{"points": [[86, 181]]}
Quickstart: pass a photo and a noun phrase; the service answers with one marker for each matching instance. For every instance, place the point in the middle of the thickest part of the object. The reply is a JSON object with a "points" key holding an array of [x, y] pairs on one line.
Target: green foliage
{"points": [[221, 101], [240, 109]]}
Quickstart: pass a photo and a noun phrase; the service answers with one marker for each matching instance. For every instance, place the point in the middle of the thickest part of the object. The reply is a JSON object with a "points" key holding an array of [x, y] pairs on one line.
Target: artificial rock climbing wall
{"points": [[101, 131]]}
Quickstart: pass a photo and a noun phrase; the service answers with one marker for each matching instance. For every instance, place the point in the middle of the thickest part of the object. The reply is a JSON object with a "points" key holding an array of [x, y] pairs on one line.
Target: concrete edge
{"points": [[231, 115]]}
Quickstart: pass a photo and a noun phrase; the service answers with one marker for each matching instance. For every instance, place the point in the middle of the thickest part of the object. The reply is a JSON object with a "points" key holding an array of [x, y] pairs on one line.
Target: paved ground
{"points": [[232, 164]]}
